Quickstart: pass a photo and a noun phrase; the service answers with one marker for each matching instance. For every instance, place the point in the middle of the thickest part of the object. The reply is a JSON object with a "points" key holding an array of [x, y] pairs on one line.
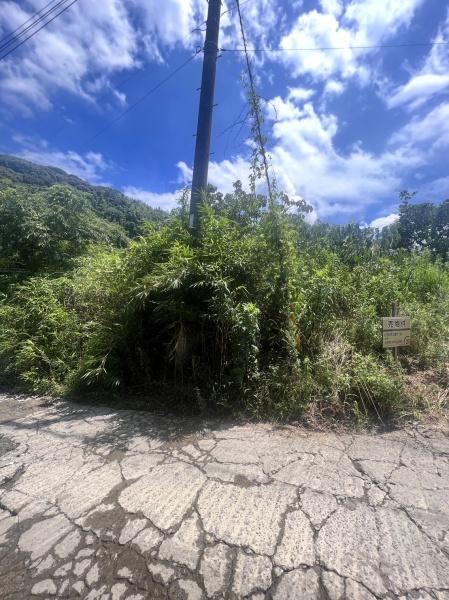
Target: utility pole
{"points": [[204, 128]]}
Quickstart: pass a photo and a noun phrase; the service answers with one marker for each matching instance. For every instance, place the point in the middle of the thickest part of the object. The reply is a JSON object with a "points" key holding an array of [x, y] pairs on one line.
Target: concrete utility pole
{"points": [[204, 128]]}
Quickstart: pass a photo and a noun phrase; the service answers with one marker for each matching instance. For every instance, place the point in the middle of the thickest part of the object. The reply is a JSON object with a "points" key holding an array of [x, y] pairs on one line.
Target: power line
{"points": [[37, 30], [144, 97], [234, 7], [238, 121], [24, 30], [12, 33], [325, 48], [123, 81]]}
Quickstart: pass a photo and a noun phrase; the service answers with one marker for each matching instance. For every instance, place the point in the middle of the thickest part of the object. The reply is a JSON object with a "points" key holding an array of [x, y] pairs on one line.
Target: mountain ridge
{"points": [[107, 202]]}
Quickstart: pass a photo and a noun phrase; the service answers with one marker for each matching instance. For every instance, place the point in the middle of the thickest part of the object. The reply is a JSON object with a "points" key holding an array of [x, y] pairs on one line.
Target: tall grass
{"points": [[223, 323]]}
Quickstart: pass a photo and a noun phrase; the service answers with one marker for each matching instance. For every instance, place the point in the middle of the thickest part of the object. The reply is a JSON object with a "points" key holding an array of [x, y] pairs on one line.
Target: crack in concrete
{"points": [[46, 438]]}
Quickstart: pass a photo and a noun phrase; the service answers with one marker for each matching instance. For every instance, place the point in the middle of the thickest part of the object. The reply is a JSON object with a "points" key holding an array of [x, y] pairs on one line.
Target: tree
{"points": [[45, 230]]}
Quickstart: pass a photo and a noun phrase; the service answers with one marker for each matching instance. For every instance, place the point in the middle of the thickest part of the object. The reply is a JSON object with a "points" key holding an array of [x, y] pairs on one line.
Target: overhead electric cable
{"points": [[325, 48], [17, 29], [144, 97], [37, 30], [16, 38], [122, 82], [234, 7]]}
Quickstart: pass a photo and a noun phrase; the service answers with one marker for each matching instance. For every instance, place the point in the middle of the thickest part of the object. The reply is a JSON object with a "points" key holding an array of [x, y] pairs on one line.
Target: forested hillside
{"points": [[48, 218], [262, 313], [105, 202]]}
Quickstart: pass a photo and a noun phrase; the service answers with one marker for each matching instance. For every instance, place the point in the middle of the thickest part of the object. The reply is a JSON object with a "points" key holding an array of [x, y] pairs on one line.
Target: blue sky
{"points": [[347, 129]]}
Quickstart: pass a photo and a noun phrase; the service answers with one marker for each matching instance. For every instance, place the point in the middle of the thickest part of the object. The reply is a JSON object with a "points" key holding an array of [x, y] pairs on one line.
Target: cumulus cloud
{"points": [[339, 25], [316, 30], [431, 79], [87, 48], [333, 88], [430, 131], [373, 21], [166, 201], [91, 166], [300, 94], [382, 222], [222, 174], [84, 43], [262, 20], [308, 164], [334, 7], [81, 50]]}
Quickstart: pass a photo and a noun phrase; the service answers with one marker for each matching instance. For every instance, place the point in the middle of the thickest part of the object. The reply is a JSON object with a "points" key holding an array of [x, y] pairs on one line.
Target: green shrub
{"points": [[40, 337], [245, 318]]}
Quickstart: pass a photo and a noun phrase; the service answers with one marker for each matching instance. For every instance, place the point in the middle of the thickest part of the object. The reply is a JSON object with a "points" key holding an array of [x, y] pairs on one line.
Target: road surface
{"points": [[97, 503]]}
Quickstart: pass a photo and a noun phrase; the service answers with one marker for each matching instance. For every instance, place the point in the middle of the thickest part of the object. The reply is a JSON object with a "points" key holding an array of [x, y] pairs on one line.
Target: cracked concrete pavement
{"points": [[105, 504]]}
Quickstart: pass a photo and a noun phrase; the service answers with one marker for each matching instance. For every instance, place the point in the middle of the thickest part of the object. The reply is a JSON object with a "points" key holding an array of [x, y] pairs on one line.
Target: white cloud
{"points": [[382, 222], [308, 164], [168, 23], [262, 19], [419, 89], [430, 131], [375, 21], [333, 88], [334, 7], [85, 46], [315, 30], [431, 79], [279, 110], [81, 50], [85, 42], [93, 42], [185, 173], [222, 175], [166, 201], [90, 166], [300, 94], [358, 23]]}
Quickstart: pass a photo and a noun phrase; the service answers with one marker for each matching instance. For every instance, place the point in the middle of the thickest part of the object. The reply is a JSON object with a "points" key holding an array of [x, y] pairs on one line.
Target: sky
{"points": [[347, 129]]}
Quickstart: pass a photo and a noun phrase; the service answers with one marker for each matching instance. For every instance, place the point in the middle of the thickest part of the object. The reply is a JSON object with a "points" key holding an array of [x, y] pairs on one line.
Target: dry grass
{"points": [[428, 392]]}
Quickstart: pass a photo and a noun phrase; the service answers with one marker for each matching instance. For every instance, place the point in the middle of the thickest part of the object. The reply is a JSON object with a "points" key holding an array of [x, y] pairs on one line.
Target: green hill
{"points": [[106, 202]]}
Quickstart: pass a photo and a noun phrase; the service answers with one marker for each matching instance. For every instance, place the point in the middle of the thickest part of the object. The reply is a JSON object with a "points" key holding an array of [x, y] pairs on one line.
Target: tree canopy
{"points": [[263, 313]]}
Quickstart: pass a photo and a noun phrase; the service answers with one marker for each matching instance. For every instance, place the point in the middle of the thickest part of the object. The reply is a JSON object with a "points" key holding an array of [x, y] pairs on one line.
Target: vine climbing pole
{"points": [[205, 115]]}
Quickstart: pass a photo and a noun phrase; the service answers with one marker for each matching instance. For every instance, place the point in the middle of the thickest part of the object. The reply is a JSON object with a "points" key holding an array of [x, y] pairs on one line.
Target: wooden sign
{"points": [[396, 332]]}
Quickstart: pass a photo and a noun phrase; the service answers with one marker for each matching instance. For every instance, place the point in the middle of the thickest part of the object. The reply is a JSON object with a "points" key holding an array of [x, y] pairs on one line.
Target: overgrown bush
{"points": [[252, 316], [40, 336]]}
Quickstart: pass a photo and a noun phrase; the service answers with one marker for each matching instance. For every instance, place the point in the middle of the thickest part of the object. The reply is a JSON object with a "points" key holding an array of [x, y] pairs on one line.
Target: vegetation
{"points": [[263, 314], [105, 202]]}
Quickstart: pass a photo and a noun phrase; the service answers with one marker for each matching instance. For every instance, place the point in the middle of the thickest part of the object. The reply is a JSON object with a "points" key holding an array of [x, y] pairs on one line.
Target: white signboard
{"points": [[396, 331]]}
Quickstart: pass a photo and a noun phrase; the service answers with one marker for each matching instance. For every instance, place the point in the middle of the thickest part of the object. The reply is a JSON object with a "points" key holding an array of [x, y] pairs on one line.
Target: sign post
{"points": [[396, 331]]}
